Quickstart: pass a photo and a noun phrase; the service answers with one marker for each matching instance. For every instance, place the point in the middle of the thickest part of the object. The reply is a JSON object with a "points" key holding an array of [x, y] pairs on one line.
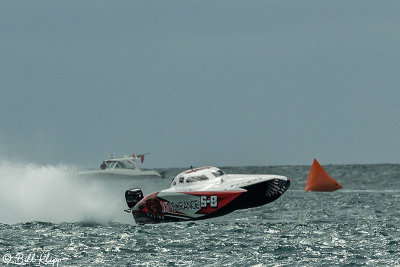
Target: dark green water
{"points": [[356, 226]]}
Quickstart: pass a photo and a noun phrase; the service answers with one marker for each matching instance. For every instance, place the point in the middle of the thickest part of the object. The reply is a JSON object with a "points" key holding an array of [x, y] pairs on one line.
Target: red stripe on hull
{"points": [[212, 201]]}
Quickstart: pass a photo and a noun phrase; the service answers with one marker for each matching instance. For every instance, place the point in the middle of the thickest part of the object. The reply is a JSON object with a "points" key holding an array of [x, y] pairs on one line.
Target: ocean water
{"points": [[51, 217]]}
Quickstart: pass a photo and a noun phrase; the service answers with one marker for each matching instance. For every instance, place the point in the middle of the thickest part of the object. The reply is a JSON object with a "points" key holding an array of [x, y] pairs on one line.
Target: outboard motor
{"points": [[133, 196]]}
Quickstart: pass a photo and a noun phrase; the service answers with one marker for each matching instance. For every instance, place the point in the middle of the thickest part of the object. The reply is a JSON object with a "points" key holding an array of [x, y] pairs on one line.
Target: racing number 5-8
{"points": [[213, 201]]}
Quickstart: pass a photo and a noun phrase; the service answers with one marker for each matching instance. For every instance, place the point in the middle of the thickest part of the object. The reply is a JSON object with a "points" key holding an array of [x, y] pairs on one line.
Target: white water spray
{"points": [[31, 192]]}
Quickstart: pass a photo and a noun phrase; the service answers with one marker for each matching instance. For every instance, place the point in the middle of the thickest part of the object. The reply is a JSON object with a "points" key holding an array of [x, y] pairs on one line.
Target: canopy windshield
{"points": [[196, 179]]}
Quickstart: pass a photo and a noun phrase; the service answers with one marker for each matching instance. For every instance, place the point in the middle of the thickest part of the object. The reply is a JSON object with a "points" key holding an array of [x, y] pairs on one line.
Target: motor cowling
{"points": [[133, 196]]}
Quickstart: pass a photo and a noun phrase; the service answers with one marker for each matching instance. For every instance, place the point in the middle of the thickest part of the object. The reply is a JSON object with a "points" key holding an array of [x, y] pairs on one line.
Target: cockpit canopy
{"points": [[197, 175]]}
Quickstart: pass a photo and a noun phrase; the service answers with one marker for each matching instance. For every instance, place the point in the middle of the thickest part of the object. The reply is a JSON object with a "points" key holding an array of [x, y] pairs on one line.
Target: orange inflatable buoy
{"points": [[319, 180]]}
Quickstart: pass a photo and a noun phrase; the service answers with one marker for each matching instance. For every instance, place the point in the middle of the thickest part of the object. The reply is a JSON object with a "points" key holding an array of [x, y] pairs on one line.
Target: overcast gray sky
{"points": [[200, 82]]}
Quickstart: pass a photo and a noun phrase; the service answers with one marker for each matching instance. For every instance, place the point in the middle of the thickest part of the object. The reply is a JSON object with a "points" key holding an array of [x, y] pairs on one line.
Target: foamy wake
{"points": [[32, 192]]}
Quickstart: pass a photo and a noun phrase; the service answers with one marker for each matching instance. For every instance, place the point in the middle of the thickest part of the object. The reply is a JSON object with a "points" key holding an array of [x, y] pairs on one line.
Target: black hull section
{"points": [[264, 193], [146, 218], [256, 195]]}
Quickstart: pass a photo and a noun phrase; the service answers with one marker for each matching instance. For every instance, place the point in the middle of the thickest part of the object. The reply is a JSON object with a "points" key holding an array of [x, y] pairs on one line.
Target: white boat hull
{"points": [[121, 174]]}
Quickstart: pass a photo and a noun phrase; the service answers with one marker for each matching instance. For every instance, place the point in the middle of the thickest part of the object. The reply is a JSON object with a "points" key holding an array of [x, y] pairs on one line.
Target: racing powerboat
{"points": [[203, 193], [124, 167]]}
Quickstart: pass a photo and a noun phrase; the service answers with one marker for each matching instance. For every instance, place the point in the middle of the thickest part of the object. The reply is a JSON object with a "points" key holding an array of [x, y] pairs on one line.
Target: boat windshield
{"points": [[121, 164], [125, 164], [196, 178], [110, 164]]}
